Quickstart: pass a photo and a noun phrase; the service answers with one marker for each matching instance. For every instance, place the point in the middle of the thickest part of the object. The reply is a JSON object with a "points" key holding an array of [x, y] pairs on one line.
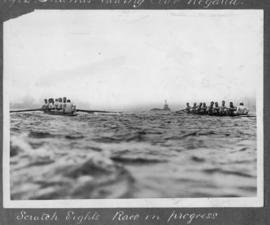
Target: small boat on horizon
{"points": [[165, 108]]}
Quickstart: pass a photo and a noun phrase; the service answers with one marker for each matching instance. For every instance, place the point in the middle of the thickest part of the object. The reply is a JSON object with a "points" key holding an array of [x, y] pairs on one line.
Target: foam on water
{"points": [[131, 156]]}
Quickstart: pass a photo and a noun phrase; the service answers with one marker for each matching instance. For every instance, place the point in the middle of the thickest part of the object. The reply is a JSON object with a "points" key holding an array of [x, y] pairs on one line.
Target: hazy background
{"points": [[133, 59]]}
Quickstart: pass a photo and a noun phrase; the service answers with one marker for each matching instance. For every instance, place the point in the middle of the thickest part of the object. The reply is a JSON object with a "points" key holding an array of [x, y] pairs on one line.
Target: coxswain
{"points": [[188, 108], [45, 105], [68, 107], [241, 109], [73, 107]]}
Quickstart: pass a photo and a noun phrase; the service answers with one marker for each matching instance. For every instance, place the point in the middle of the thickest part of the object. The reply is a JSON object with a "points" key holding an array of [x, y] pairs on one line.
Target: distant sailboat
{"points": [[165, 108]]}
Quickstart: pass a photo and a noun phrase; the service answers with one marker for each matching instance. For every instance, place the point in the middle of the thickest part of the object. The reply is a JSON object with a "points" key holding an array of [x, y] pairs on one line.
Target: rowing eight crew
{"points": [[59, 104], [215, 109]]}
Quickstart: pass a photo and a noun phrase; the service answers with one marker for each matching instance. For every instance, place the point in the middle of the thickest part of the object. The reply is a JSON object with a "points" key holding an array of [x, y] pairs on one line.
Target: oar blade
{"points": [[94, 111]]}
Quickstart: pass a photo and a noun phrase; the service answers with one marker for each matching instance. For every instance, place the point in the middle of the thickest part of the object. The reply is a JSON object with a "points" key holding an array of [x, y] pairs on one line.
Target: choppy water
{"points": [[131, 156]]}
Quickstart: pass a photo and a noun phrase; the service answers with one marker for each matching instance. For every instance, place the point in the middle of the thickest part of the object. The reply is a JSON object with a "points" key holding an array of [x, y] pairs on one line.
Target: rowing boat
{"points": [[216, 115], [59, 113]]}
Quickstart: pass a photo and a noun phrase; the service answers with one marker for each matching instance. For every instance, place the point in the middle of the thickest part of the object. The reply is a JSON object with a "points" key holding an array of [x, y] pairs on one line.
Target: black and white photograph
{"points": [[125, 108]]}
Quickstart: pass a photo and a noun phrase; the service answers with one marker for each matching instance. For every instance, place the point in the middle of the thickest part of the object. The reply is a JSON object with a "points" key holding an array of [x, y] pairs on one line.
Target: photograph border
{"points": [[233, 212]]}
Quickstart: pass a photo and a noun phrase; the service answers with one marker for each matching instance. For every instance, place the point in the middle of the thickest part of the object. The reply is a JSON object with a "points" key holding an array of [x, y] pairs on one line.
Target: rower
{"points": [[51, 104], [204, 108], [188, 108], [194, 108], [64, 102], [241, 109], [231, 109], [56, 104], [199, 108], [216, 109], [60, 105], [223, 109], [210, 108]]}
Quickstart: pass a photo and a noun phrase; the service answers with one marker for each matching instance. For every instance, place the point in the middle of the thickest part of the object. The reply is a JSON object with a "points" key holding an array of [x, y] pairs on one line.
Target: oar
{"points": [[94, 111], [25, 110]]}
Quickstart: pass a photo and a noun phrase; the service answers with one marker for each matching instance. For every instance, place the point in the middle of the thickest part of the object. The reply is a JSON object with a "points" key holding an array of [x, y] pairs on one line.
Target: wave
{"points": [[74, 137], [138, 160], [79, 174], [227, 172], [40, 134]]}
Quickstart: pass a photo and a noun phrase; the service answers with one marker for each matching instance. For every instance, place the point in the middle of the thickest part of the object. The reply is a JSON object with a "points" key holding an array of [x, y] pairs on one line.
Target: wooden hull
{"points": [[59, 113]]}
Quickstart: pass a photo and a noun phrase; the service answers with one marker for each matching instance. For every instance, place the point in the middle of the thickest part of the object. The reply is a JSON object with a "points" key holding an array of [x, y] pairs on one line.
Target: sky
{"points": [[120, 59]]}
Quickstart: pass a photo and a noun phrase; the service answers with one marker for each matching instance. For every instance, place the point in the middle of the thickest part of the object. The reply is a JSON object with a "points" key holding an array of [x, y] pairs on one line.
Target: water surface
{"points": [[142, 155]]}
